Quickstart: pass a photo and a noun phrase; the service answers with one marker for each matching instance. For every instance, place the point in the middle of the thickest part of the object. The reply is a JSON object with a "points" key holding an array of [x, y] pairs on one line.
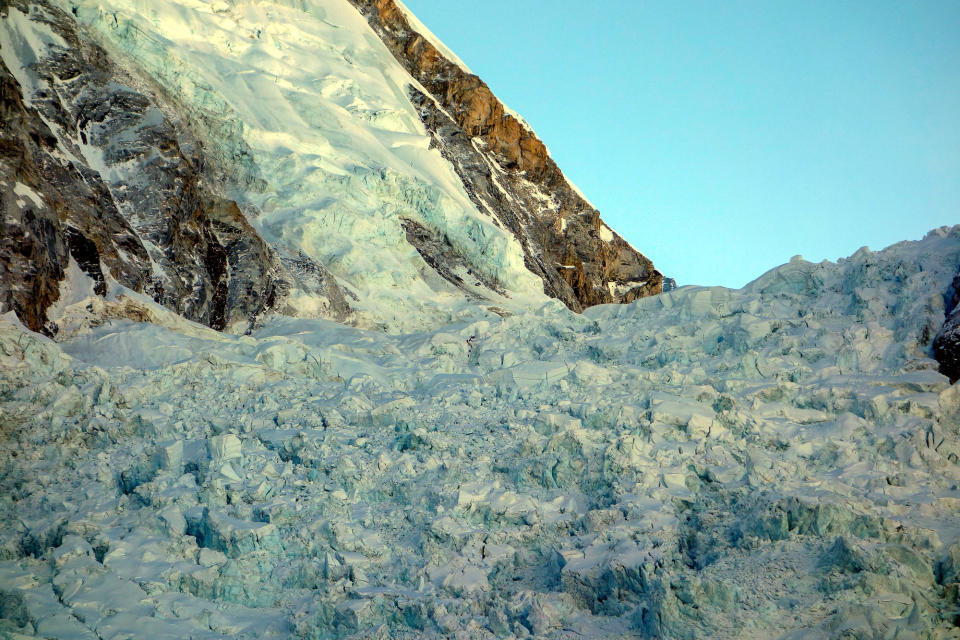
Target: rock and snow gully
{"points": [[417, 436]]}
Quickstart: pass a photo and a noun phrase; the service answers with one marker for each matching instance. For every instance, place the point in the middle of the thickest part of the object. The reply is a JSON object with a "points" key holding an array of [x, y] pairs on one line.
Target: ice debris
{"points": [[778, 461]]}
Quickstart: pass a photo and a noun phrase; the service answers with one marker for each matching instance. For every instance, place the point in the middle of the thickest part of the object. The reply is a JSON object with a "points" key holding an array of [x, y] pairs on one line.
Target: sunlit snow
{"points": [[322, 106], [705, 463]]}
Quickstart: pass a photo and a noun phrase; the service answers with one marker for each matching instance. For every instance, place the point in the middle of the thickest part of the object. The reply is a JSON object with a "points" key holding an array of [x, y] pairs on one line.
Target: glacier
{"points": [[308, 113], [779, 461]]}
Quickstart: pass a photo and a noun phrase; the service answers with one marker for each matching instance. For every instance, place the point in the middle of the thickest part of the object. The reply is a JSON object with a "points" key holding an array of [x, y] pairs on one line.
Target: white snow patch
{"points": [[23, 190], [24, 42], [605, 233], [76, 287]]}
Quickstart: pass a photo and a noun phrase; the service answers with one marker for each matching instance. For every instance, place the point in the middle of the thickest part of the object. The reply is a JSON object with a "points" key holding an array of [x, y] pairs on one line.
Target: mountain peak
{"points": [[355, 165]]}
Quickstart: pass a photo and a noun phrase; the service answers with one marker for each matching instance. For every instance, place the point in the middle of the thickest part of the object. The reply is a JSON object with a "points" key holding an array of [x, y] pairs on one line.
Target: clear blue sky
{"points": [[722, 137]]}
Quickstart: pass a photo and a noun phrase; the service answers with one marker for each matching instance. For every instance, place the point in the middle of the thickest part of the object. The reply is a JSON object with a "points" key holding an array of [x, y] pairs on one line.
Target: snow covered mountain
{"points": [[327, 356], [234, 158]]}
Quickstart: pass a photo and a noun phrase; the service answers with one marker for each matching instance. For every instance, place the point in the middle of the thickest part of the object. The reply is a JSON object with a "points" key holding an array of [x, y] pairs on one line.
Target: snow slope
{"points": [[779, 461], [309, 111]]}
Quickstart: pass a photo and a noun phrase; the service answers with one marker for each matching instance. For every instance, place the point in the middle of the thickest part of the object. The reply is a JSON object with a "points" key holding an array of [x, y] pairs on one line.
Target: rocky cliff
{"points": [[946, 346], [507, 172], [94, 168]]}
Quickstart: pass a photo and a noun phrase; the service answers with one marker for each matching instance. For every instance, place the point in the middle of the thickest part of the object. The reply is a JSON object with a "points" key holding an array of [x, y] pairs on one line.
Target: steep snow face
{"points": [[311, 113], [509, 174], [780, 461]]}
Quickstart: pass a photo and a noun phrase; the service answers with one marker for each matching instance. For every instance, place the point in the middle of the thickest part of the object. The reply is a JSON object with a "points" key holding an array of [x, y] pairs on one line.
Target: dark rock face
{"points": [[443, 258], [156, 225], [73, 208], [946, 346], [507, 171]]}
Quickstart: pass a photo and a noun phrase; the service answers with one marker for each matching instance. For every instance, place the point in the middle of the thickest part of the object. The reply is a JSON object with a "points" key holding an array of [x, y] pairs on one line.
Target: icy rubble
{"points": [[778, 461]]}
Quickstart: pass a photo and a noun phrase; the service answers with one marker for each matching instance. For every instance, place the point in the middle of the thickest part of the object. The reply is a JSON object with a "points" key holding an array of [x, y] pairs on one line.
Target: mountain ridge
{"points": [[569, 247], [189, 210]]}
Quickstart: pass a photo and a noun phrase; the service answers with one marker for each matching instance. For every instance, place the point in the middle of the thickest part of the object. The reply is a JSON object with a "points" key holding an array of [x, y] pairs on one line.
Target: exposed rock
{"points": [[121, 182], [51, 209], [946, 346], [444, 258], [116, 181], [507, 172]]}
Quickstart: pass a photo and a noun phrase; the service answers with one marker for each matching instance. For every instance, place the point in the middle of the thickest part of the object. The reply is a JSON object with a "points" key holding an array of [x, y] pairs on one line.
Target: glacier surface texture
{"points": [[778, 461]]}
